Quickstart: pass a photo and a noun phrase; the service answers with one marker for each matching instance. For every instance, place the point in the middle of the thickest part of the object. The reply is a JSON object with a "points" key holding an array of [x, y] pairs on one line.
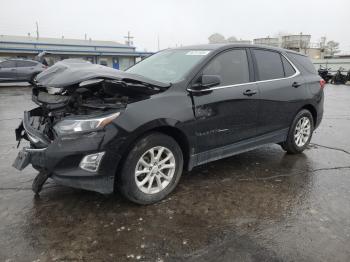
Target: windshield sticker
{"points": [[198, 52]]}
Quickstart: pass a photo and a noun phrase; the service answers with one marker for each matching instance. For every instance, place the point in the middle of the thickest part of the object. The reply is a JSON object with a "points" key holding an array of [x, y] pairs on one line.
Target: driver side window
{"points": [[231, 66]]}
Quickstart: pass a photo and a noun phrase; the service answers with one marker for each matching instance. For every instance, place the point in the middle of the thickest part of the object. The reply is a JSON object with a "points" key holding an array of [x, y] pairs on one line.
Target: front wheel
{"points": [[32, 79], [300, 133], [151, 170]]}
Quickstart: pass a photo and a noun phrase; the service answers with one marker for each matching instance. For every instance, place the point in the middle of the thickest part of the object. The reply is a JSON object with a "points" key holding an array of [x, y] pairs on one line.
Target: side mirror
{"points": [[206, 81]]}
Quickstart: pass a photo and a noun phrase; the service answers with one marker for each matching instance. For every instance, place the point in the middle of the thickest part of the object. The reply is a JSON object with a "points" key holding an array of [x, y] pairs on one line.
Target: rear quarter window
{"points": [[303, 63], [288, 68]]}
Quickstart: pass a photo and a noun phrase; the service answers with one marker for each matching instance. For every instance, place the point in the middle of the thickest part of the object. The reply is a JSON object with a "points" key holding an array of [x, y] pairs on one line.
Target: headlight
{"points": [[69, 126]]}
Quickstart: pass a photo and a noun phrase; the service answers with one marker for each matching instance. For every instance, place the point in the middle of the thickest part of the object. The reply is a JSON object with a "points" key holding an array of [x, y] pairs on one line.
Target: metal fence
{"points": [[333, 63]]}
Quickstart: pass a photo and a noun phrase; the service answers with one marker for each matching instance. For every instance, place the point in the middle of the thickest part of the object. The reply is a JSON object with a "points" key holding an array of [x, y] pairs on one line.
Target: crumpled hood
{"points": [[73, 71]]}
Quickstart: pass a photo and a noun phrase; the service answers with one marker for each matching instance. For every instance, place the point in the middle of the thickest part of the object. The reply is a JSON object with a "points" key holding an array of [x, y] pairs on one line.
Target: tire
{"points": [[129, 182], [32, 78], [39, 181], [291, 145]]}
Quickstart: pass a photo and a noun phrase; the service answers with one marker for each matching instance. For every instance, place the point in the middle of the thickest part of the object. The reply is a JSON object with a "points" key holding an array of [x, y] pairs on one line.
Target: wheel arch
{"points": [[178, 135], [312, 110]]}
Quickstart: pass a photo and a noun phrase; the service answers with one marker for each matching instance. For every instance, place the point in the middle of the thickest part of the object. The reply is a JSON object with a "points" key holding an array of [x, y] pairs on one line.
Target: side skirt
{"points": [[237, 148]]}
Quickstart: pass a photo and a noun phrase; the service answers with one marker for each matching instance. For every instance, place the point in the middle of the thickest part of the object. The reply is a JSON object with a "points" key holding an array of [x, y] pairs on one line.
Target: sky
{"points": [[176, 22]]}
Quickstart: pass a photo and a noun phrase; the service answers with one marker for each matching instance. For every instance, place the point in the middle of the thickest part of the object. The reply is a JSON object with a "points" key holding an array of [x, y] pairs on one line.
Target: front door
{"points": [[8, 71], [227, 113]]}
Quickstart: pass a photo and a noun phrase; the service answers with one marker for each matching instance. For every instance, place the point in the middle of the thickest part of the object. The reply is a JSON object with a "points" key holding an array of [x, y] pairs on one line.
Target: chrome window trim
{"points": [[297, 72], [27, 149]]}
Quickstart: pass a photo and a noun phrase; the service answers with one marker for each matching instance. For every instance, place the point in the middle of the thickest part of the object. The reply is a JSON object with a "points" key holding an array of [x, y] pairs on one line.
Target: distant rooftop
{"points": [[59, 41]]}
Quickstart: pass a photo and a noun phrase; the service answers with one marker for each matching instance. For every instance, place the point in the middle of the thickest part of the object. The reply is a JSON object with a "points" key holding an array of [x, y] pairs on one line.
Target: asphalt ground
{"points": [[263, 205]]}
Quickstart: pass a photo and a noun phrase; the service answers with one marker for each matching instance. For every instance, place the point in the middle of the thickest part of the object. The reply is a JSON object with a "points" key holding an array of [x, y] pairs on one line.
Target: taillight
{"points": [[322, 83]]}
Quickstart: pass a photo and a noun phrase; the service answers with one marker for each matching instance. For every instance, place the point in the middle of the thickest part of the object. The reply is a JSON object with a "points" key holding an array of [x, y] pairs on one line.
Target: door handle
{"points": [[296, 84], [13, 69], [249, 92]]}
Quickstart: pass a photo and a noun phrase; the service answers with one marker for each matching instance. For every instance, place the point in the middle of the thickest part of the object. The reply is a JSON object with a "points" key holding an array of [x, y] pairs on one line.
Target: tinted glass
{"points": [[25, 64], [269, 64], [288, 68], [169, 66], [304, 61], [231, 66], [7, 64]]}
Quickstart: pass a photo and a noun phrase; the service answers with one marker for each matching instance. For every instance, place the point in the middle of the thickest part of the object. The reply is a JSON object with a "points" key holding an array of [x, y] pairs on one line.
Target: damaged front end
{"points": [[70, 133]]}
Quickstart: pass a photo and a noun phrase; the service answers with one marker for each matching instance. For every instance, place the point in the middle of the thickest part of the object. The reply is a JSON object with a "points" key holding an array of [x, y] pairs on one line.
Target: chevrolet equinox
{"points": [[101, 129]]}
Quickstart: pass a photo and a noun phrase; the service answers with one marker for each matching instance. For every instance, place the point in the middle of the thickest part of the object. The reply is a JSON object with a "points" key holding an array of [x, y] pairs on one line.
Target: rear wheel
{"points": [[151, 170], [300, 133]]}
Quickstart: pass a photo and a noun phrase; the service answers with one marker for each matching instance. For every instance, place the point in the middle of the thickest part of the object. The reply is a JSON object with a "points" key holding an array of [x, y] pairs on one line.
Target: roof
{"points": [[232, 45], [18, 59], [31, 45], [59, 41]]}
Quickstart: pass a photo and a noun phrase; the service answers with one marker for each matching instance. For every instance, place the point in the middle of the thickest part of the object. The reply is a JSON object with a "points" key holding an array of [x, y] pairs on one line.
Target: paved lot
{"points": [[262, 205]]}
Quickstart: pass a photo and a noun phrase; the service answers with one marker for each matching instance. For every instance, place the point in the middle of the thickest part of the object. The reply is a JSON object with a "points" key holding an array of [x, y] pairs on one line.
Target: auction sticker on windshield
{"points": [[198, 52]]}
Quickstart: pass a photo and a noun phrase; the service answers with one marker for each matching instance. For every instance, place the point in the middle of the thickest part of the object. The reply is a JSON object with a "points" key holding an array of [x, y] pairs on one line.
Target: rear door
{"points": [[281, 90], [226, 114], [25, 70], [8, 71]]}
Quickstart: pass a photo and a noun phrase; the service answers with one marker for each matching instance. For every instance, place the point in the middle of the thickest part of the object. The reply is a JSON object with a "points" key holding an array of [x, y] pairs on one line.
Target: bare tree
{"points": [[216, 39], [232, 39], [332, 48]]}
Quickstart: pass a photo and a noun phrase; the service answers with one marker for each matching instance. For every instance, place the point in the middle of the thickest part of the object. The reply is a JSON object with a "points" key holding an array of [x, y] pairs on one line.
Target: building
{"points": [[270, 41], [107, 53], [298, 43]]}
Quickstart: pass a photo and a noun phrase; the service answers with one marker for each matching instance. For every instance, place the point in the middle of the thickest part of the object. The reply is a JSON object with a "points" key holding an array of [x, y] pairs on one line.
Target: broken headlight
{"points": [[68, 126]]}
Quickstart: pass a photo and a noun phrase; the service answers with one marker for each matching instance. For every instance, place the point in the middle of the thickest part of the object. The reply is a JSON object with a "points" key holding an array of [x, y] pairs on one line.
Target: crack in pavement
{"points": [[297, 173], [25, 188], [6, 119], [333, 148]]}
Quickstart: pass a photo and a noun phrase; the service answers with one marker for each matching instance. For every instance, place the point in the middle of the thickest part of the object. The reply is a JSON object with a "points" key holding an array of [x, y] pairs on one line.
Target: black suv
{"points": [[12, 70], [99, 129]]}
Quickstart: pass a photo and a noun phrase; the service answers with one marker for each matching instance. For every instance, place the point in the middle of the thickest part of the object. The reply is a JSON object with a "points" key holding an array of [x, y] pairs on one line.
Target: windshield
{"points": [[168, 66]]}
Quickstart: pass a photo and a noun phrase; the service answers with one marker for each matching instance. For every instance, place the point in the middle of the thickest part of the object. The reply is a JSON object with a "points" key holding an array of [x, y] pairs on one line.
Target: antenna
{"points": [[37, 30]]}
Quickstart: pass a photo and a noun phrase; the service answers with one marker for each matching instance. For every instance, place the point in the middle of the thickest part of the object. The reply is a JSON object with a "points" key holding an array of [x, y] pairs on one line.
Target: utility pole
{"points": [[158, 42], [37, 30], [128, 39]]}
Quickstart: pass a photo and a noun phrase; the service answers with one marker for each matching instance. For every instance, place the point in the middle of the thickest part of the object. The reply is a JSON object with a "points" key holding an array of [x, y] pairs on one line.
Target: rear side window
{"points": [[269, 64], [231, 66], [304, 62], [288, 68], [7, 64], [25, 64]]}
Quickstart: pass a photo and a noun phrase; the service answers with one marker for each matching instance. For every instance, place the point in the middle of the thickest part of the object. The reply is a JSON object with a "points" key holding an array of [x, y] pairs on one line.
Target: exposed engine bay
{"points": [[78, 88]]}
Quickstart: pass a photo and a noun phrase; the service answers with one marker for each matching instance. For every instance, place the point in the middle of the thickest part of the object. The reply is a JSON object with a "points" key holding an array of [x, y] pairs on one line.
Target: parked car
{"points": [[13, 70], [137, 131]]}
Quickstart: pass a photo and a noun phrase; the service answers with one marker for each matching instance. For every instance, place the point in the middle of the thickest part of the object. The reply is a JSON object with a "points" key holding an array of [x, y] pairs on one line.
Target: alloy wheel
{"points": [[155, 170], [302, 131]]}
